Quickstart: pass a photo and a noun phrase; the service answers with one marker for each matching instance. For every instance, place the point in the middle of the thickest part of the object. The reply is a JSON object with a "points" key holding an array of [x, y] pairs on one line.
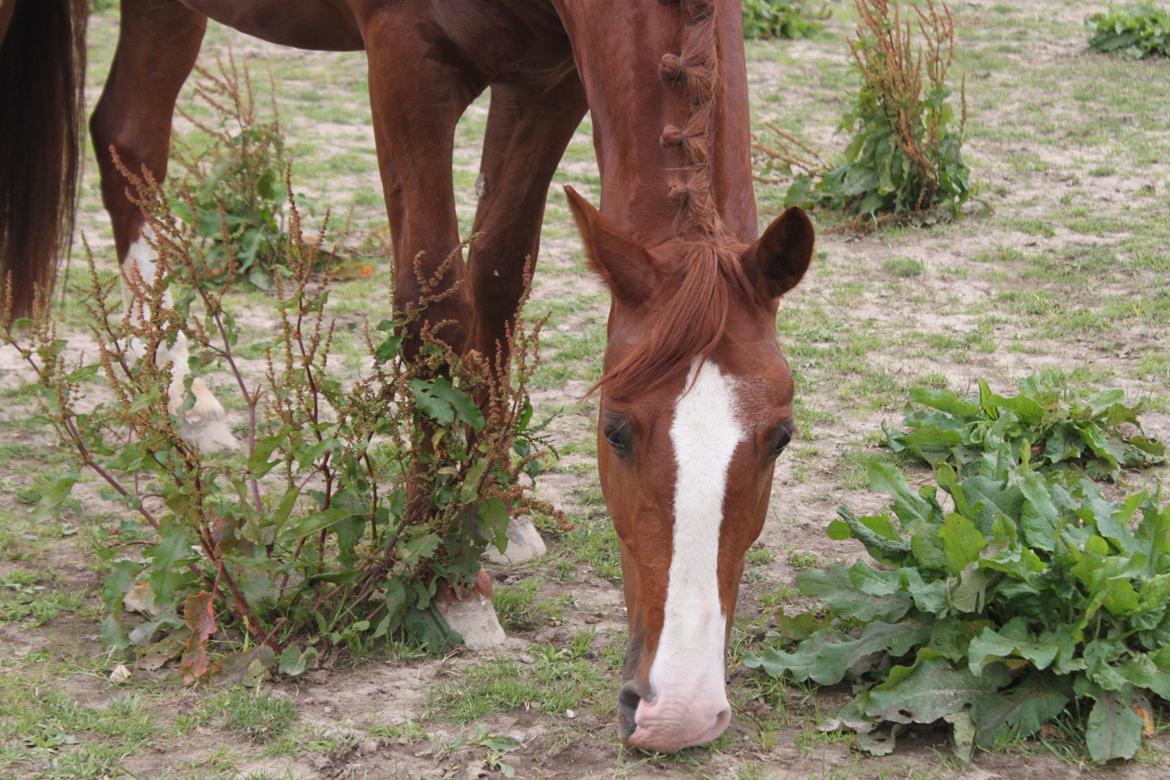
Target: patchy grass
{"points": [[553, 681]]}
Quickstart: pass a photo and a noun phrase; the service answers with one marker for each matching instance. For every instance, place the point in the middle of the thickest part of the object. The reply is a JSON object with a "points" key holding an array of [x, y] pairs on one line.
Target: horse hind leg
{"points": [[158, 43]]}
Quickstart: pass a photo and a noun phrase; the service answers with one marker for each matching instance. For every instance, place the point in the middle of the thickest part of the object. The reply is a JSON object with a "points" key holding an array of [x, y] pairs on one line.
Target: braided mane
{"points": [[695, 70], [692, 323]]}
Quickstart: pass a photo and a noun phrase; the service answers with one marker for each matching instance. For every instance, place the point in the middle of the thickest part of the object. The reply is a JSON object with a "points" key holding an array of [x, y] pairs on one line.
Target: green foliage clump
{"points": [[781, 19], [1061, 428], [233, 194], [1004, 595], [1137, 32], [352, 504], [905, 153]]}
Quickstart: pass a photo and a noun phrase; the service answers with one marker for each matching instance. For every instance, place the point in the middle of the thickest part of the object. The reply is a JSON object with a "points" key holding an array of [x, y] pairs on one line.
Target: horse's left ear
{"points": [[779, 258]]}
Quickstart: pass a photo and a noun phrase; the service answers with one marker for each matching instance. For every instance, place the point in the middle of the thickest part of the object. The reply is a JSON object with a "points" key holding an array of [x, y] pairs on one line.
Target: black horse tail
{"points": [[42, 82]]}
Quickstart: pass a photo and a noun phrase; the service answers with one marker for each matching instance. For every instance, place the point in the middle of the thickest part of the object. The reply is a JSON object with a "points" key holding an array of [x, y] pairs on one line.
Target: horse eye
{"points": [[617, 433], [783, 436]]}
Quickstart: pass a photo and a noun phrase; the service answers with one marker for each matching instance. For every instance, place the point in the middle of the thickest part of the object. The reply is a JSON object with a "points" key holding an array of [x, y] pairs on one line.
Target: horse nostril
{"points": [[722, 720], [628, 701]]}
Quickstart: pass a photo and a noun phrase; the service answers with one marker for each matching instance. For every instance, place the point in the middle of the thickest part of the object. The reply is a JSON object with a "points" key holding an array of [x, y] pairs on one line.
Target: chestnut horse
{"points": [[696, 397]]}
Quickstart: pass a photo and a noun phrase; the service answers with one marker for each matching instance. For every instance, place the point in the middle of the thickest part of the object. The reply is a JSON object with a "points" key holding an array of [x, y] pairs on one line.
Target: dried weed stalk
{"points": [[904, 156], [351, 501]]}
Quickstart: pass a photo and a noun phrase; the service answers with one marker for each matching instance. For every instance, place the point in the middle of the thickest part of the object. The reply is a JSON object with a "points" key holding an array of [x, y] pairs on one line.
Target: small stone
{"points": [[570, 715], [120, 674]]}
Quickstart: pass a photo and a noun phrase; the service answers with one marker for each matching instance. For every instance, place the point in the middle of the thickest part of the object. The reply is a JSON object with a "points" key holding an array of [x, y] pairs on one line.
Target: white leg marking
{"points": [[142, 256], [705, 433], [205, 423]]}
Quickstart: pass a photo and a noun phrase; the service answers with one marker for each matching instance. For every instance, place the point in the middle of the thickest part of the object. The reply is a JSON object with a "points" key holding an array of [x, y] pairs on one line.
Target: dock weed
{"points": [[352, 501], [1008, 592], [1138, 32], [904, 157], [764, 19]]}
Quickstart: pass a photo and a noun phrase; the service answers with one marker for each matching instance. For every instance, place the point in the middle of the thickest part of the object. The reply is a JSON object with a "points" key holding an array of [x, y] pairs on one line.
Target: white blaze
{"points": [[705, 433]]}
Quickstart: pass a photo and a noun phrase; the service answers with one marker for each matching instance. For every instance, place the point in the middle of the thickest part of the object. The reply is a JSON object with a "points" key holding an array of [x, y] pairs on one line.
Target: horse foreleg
{"points": [[528, 128], [529, 125], [418, 91]]}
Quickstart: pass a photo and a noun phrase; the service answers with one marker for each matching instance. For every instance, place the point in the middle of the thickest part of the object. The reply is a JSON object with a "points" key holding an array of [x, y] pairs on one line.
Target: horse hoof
{"points": [[474, 618], [205, 425], [524, 544]]}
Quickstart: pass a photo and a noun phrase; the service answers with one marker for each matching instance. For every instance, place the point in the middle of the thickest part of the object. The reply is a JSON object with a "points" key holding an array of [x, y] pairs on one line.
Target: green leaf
{"points": [[1113, 730], [828, 656], [431, 404], [1040, 516], [1004, 716], [171, 549], [430, 630], [944, 401], [962, 542], [930, 690], [118, 582], [835, 588], [876, 533], [908, 506], [420, 548], [494, 516], [49, 506], [970, 593], [388, 349], [258, 462], [313, 522], [113, 635], [962, 734], [1120, 597], [349, 532], [443, 403], [1014, 640], [294, 661]]}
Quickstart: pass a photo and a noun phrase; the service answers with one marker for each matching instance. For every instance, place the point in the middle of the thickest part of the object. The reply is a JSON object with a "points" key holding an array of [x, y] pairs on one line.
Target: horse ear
{"points": [[626, 266], [780, 257]]}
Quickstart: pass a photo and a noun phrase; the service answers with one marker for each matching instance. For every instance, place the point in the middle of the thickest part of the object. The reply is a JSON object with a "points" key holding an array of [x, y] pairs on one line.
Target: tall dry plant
{"points": [[904, 156], [232, 177], [305, 541]]}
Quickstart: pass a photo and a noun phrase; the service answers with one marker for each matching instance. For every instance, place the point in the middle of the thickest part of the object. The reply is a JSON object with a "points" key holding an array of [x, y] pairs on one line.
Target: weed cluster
{"points": [[905, 155], [1008, 593], [1141, 31], [353, 501], [232, 193], [782, 18]]}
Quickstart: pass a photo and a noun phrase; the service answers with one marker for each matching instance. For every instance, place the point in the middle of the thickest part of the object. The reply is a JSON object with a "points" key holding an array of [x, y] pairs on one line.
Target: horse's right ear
{"points": [[626, 266]]}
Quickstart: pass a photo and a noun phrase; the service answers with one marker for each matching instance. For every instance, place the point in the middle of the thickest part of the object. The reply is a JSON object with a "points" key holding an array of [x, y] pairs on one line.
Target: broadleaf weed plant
{"points": [[1009, 592], [231, 190], [904, 157], [353, 502], [782, 18], [1137, 32]]}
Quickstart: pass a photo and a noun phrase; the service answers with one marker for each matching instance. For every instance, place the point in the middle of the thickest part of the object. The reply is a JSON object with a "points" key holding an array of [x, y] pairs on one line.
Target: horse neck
{"points": [[618, 45]]}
